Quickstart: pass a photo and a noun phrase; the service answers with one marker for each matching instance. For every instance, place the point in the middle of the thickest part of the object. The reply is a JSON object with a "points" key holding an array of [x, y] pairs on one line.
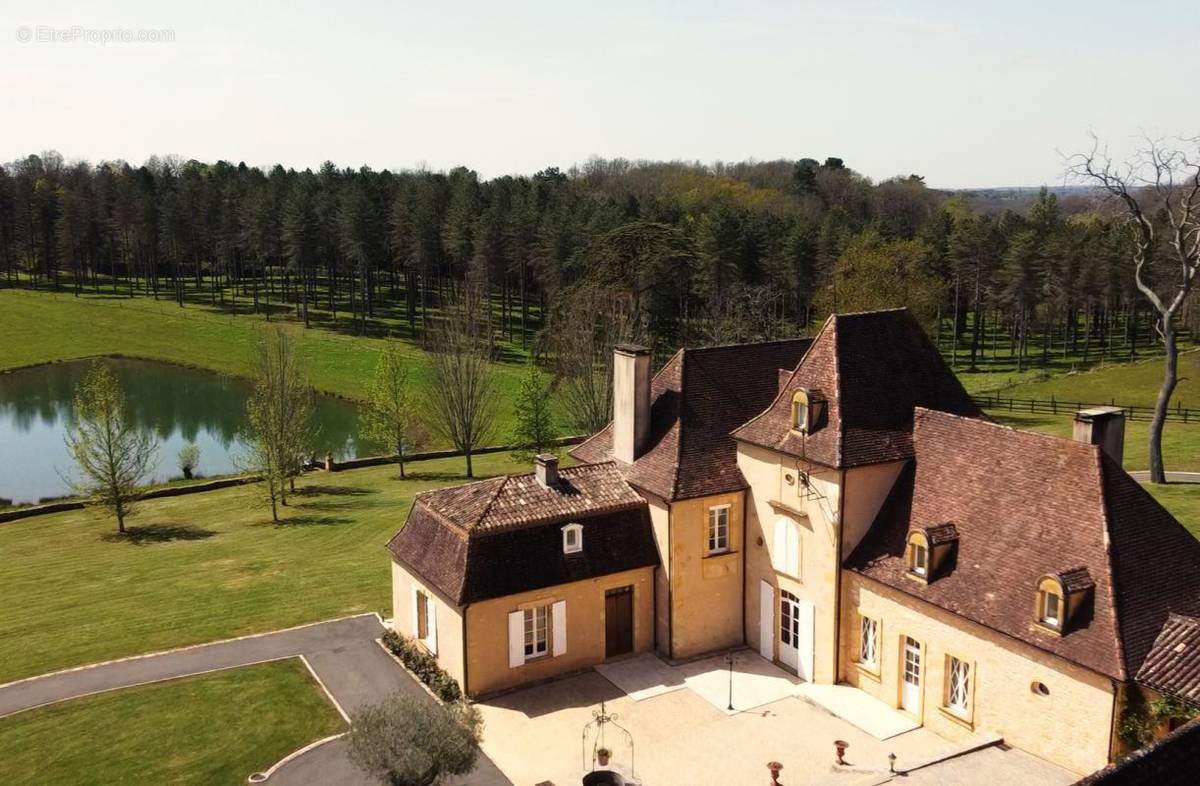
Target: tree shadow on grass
{"points": [[331, 491], [146, 534], [442, 477], [311, 521]]}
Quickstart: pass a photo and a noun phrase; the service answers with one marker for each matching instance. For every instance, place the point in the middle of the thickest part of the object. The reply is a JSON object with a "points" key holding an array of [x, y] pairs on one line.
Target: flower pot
{"points": [[841, 746], [602, 756]]}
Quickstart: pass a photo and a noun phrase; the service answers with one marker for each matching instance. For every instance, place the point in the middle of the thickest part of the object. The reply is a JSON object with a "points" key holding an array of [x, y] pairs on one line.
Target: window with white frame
{"points": [[919, 560], [718, 529], [572, 538], [958, 685], [1051, 609], [868, 646], [422, 608], [537, 631]]}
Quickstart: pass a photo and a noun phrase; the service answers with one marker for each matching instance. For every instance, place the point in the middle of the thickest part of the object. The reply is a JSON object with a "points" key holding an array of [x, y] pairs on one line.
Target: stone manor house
{"points": [[839, 505]]}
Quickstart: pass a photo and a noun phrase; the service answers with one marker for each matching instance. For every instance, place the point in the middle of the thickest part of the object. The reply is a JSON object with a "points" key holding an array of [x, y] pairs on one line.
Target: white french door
{"points": [[796, 620], [910, 688]]}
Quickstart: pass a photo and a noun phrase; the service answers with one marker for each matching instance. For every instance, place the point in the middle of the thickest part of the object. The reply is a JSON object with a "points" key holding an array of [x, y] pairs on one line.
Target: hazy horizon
{"points": [[966, 95]]}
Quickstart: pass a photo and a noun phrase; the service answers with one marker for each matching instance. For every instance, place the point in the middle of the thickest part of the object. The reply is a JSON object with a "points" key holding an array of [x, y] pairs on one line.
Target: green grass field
{"points": [[204, 567], [1129, 383], [41, 327], [207, 730], [1183, 500]]}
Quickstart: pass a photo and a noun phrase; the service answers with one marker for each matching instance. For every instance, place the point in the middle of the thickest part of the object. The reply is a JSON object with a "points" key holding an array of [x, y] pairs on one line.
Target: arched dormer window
{"points": [[572, 535], [916, 555], [1059, 598], [807, 406]]}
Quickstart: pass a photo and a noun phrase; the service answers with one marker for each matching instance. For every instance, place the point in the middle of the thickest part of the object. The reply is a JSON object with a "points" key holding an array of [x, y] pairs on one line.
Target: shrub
{"points": [[405, 741], [418, 660]]}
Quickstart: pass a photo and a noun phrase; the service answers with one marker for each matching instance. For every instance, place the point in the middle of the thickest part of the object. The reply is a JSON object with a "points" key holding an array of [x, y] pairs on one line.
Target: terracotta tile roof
{"points": [[504, 535], [516, 500], [696, 399], [1173, 664], [873, 368], [1026, 505], [1172, 761]]}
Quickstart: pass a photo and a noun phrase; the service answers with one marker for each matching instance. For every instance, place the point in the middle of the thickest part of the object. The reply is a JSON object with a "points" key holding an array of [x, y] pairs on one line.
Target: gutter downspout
{"points": [[837, 582], [466, 652]]}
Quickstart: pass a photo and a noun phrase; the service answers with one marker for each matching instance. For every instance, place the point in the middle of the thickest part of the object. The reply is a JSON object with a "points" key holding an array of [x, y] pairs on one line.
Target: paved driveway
{"points": [[343, 654]]}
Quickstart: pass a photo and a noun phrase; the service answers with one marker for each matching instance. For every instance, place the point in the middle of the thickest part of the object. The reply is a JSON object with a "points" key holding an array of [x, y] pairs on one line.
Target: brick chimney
{"points": [[631, 401], [1103, 426], [545, 470]]}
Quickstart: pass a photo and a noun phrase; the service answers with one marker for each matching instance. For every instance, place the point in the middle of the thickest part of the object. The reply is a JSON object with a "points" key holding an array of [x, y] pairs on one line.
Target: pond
{"points": [[177, 405]]}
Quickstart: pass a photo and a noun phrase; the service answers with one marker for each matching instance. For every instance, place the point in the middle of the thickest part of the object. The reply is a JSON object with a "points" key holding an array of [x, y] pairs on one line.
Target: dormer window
{"points": [[918, 555], [920, 559], [931, 551], [572, 538], [1051, 609], [1059, 598], [807, 406]]}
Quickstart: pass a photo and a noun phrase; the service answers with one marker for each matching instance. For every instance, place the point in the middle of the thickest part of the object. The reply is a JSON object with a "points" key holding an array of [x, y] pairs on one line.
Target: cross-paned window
{"points": [[959, 685], [868, 648], [718, 529], [537, 631]]}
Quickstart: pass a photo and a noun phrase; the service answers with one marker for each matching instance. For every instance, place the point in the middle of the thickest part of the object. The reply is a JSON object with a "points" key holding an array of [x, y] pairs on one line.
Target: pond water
{"points": [[177, 405]]}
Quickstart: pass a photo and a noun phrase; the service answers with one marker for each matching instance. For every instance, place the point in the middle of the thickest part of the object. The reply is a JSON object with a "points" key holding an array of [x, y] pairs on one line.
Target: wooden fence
{"points": [[1053, 406]]}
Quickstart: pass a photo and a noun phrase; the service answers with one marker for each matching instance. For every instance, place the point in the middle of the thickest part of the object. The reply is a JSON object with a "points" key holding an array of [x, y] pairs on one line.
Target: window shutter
{"points": [[416, 615], [793, 550], [779, 552], [558, 627], [516, 639], [431, 624]]}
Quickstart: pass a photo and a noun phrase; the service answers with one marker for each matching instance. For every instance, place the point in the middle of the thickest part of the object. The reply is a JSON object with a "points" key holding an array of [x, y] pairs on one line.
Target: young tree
{"points": [[1159, 191], [535, 429], [462, 395], [587, 323], [112, 454], [390, 417], [188, 459], [279, 417], [406, 741]]}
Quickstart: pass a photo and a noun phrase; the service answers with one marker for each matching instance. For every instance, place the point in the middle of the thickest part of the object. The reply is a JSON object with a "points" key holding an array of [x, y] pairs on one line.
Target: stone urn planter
{"points": [[774, 767], [841, 746]]}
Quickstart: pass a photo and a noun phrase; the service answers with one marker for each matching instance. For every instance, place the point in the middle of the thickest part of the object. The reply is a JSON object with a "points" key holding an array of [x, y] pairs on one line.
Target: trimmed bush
{"points": [[421, 663]]}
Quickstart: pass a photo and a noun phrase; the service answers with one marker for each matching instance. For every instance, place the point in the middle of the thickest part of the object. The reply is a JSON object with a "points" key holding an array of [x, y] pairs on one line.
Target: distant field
{"points": [[198, 731], [40, 327], [204, 567]]}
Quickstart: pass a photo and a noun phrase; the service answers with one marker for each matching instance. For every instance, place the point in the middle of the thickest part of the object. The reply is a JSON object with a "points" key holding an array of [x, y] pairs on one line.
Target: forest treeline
{"points": [[668, 254]]}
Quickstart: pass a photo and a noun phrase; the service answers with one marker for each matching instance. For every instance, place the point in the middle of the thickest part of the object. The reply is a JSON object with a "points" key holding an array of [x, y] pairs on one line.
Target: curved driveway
{"points": [[343, 654]]}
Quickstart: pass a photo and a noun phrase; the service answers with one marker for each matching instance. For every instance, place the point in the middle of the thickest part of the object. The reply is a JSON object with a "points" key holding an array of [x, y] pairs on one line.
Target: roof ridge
{"points": [[783, 388], [1110, 558], [683, 366], [736, 344], [495, 495], [837, 394], [918, 410]]}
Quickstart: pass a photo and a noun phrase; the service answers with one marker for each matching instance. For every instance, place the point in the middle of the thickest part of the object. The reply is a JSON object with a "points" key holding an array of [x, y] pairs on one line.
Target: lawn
{"points": [[1182, 499], [41, 327], [204, 567], [212, 729], [1128, 383]]}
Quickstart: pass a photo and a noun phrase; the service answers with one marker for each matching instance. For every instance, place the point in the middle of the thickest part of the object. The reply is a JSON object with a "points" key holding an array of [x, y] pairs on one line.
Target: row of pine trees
{"points": [[686, 254]]}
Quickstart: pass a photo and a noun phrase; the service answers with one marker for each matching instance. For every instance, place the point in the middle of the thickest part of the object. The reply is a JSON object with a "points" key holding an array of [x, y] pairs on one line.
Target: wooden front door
{"points": [[618, 621]]}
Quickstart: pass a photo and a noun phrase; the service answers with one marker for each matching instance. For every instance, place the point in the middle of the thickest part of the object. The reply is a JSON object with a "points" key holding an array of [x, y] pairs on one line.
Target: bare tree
{"points": [[586, 325], [391, 416], [279, 416], [1159, 190], [462, 397], [112, 454]]}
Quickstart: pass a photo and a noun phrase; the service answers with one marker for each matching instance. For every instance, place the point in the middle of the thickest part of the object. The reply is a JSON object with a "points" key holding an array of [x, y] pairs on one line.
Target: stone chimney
{"points": [[631, 401], [1103, 426], [545, 470]]}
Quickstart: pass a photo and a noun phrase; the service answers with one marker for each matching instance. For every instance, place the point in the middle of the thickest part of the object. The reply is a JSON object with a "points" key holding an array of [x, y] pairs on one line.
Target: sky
{"points": [[967, 94]]}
